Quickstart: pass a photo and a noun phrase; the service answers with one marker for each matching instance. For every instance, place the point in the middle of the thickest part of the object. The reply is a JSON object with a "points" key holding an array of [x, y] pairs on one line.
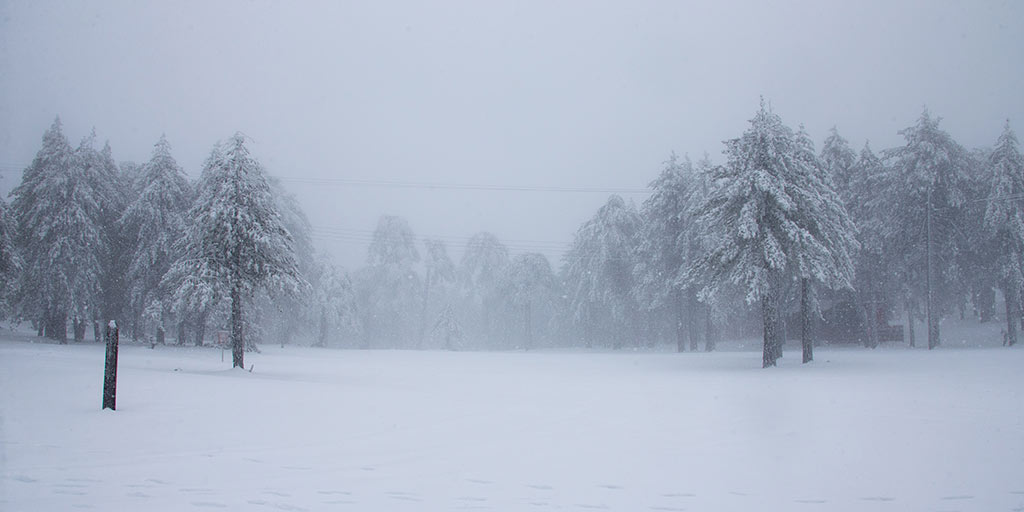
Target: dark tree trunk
{"points": [[1013, 316], [40, 327], [691, 322], [181, 332], [770, 318], [910, 325], [528, 320], [161, 336], [986, 304], [57, 327], [200, 329], [78, 324], [237, 342], [709, 330], [680, 321], [805, 322]]}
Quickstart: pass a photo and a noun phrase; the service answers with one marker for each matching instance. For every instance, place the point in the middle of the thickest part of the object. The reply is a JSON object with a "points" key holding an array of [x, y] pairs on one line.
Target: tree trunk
{"points": [[709, 330], [910, 324], [528, 319], [161, 336], [423, 310], [933, 314], [322, 337], [200, 329], [41, 327], [805, 322], [770, 318], [78, 324], [680, 320], [1012, 313], [181, 331], [691, 322], [237, 342], [110, 369]]}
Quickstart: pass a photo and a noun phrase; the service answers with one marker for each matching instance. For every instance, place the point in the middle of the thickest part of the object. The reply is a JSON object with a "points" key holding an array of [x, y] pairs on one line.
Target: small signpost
{"points": [[110, 372]]}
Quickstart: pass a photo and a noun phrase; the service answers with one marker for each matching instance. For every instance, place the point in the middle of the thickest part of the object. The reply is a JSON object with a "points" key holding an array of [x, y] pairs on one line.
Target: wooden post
{"points": [[110, 373]]}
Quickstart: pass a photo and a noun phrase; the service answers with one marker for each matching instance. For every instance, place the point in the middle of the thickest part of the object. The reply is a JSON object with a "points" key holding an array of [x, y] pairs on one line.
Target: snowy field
{"points": [[312, 429]]}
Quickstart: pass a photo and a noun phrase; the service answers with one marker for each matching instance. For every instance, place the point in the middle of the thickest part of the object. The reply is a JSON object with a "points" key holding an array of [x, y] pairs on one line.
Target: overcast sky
{"points": [[510, 94]]}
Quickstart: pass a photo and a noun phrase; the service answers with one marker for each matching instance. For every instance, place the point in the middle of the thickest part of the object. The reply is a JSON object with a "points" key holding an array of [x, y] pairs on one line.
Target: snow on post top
{"points": [[112, 324]]}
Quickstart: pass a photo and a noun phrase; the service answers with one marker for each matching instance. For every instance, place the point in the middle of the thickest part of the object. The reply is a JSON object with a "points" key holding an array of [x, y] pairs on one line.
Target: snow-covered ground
{"points": [[312, 429]]}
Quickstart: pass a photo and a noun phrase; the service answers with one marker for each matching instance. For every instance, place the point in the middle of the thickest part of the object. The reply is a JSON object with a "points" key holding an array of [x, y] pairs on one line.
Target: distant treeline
{"points": [[831, 244]]}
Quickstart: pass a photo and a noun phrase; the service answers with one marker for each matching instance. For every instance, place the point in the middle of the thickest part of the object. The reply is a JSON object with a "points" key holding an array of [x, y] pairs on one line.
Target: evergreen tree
{"points": [[825, 255], [440, 271], [764, 218], [928, 178], [482, 265], [667, 245], [530, 287], [1004, 219], [153, 223], [58, 211], [599, 274], [9, 262], [870, 211], [236, 240], [334, 304], [839, 163], [388, 286]]}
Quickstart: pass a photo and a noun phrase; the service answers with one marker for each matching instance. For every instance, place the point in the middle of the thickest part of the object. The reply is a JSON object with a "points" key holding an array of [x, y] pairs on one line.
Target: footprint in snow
{"points": [[611, 487], [69, 493], [478, 481], [340, 502], [954, 498], [24, 479], [669, 509], [472, 498], [592, 507], [277, 493], [289, 507], [208, 504], [878, 498], [680, 495], [811, 502], [346, 493], [540, 487], [138, 494]]}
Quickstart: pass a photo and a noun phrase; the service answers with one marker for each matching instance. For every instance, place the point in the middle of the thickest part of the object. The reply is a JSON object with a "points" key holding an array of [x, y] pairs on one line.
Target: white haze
{"points": [[522, 94]]}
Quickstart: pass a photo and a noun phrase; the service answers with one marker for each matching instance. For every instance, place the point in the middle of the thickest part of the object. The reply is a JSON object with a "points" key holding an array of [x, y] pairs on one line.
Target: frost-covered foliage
{"points": [[152, 224], [668, 243], [771, 213], [440, 275], [479, 274], [9, 263], [235, 241], [59, 209], [388, 287], [1004, 219], [531, 290], [333, 306], [599, 275], [839, 162], [927, 178]]}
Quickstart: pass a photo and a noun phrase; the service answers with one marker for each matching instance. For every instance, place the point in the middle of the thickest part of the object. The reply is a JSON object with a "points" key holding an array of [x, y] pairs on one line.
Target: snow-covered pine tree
{"points": [[448, 328], [286, 314], [440, 271], [666, 245], [599, 274], [869, 211], [761, 220], [235, 240], [9, 262], [839, 161], [824, 256], [388, 287], [334, 304], [928, 178], [529, 285], [58, 210], [152, 224], [1004, 219], [483, 263]]}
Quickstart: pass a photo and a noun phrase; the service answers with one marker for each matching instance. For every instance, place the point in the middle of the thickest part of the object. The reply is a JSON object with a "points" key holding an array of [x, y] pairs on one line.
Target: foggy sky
{"points": [[535, 94]]}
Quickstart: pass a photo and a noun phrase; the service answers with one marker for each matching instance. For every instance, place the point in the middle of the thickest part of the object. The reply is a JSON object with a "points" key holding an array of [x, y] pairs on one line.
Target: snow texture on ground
{"points": [[312, 429]]}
